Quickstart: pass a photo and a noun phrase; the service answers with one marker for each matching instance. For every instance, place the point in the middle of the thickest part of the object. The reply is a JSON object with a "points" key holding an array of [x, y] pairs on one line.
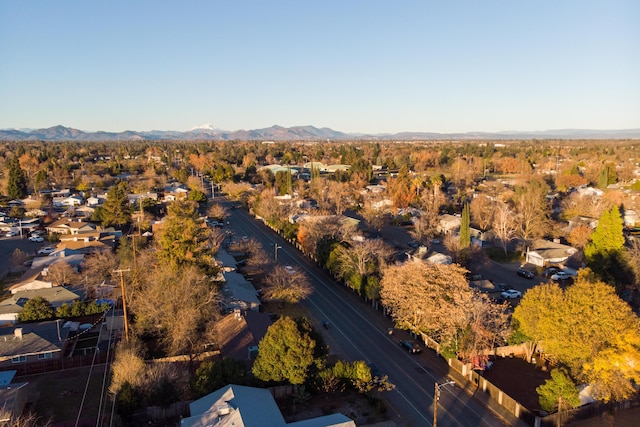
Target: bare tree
{"points": [[488, 325], [504, 224], [61, 273], [216, 210], [481, 209], [18, 257], [175, 304], [286, 285], [97, 268]]}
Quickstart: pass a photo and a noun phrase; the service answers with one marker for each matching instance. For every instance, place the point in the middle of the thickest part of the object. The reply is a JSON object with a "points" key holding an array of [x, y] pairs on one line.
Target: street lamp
{"points": [[436, 397], [275, 248]]}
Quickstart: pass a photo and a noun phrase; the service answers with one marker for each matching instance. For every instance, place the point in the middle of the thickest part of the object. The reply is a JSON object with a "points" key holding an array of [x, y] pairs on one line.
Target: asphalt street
{"points": [[359, 332]]}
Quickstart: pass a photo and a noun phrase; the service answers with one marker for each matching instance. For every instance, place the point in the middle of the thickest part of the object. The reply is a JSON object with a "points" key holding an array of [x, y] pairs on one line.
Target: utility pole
{"points": [[124, 302], [436, 398]]}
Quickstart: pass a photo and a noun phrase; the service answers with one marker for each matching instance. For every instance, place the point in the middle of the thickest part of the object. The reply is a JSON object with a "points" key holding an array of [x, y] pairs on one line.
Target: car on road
{"points": [[375, 371], [525, 273], [10, 234], [289, 269], [36, 239], [46, 250], [560, 276], [511, 293], [411, 346]]}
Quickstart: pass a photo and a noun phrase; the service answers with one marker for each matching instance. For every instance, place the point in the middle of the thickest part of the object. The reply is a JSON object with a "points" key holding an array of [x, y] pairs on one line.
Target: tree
{"points": [[429, 298], [116, 209], [61, 273], [97, 268], [211, 376], [185, 236], [579, 236], [17, 181], [532, 210], [558, 393], [604, 255], [482, 211], [217, 211], [465, 228], [360, 260], [176, 304], [18, 257], [504, 224], [36, 308], [286, 285], [608, 237], [284, 354], [589, 329]]}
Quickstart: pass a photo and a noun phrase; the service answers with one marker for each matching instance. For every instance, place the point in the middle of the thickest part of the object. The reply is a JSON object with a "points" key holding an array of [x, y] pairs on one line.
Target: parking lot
{"points": [[10, 244]]}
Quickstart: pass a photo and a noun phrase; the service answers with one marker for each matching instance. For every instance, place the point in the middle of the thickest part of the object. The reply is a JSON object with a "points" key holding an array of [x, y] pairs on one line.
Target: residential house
{"points": [[242, 406], [544, 252], [238, 333], [33, 342], [448, 224], [70, 226], [12, 306], [238, 293]]}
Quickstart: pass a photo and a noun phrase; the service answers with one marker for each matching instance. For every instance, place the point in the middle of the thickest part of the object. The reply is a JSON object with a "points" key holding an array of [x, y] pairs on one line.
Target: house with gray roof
{"points": [[545, 252], [33, 342], [242, 406], [238, 293], [12, 306]]}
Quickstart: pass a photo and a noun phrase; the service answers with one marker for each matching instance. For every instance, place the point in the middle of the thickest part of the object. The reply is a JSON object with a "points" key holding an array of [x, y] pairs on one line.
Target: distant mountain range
{"points": [[299, 133]]}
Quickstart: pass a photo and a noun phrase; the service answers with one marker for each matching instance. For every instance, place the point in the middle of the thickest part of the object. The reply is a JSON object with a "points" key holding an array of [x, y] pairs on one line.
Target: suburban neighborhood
{"points": [[299, 283]]}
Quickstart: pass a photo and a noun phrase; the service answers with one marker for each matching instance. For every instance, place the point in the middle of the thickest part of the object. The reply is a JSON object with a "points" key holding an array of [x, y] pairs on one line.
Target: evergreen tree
{"points": [[604, 253], [116, 209], [559, 392], [465, 228], [284, 354], [17, 181], [36, 308], [184, 237]]}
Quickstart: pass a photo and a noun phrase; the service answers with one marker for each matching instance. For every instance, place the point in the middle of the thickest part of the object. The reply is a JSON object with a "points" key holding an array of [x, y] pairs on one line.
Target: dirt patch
{"points": [[518, 379]]}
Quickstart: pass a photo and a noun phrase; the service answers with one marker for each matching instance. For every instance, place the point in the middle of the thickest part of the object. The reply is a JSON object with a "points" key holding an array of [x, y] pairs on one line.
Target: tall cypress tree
{"points": [[17, 181], [465, 227]]}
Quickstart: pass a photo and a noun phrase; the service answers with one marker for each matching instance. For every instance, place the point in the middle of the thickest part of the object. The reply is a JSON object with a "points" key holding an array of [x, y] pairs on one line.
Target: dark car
{"points": [[525, 273], [411, 346]]}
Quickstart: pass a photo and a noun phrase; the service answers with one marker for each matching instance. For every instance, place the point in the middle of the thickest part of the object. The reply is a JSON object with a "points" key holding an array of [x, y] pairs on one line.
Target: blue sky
{"points": [[355, 66]]}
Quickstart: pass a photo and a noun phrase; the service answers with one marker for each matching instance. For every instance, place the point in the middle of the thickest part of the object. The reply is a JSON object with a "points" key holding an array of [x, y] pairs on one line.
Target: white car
{"points": [[46, 250], [36, 239], [561, 275], [289, 269], [511, 293], [10, 234]]}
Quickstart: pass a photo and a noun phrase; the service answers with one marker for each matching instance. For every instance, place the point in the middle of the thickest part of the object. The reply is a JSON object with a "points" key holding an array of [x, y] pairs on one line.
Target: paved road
{"points": [[358, 332]]}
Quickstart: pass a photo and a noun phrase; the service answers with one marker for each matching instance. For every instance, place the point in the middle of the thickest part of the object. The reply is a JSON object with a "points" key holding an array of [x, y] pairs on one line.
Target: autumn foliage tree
{"points": [[429, 298], [589, 329]]}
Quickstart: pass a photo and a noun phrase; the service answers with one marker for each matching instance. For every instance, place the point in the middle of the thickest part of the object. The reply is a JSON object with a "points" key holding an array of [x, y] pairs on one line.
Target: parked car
{"points": [[525, 273], [46, 250], [511, 293], [375, 371], [36, 239], [561, 275], [550, 271], [10, 234], [411, 346], [289, 269]]}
